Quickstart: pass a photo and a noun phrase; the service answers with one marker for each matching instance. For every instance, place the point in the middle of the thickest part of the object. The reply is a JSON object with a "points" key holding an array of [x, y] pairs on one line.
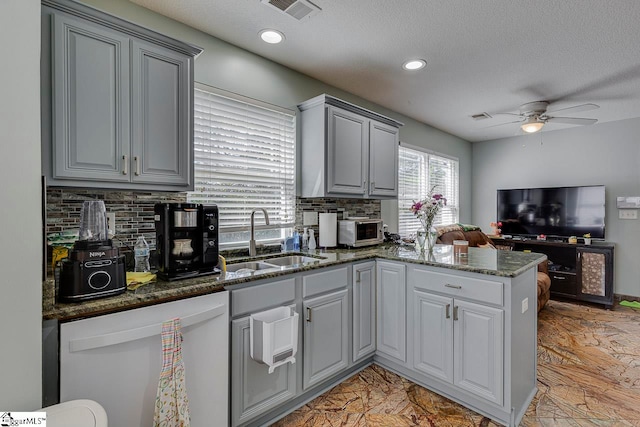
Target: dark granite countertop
{"points": [[480, 260]]}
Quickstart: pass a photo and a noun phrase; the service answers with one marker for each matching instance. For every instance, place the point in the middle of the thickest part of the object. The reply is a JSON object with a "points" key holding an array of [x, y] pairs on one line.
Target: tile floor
{"points": [[588, 375]]}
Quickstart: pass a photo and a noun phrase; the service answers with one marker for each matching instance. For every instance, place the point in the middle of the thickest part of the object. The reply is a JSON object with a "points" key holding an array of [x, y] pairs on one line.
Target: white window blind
{"points": [[418, 172], [244, 154]]}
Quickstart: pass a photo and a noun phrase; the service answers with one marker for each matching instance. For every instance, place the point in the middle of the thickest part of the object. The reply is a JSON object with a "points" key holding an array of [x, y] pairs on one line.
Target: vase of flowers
{"points": [[426, 211]]}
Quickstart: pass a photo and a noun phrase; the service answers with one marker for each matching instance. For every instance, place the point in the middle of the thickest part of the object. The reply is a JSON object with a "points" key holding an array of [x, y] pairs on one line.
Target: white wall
{"points": [[606, 153], [228, 67], [20, 207]]}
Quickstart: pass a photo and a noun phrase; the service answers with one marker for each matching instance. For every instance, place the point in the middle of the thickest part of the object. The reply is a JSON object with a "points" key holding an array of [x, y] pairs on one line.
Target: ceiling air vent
{"points": [[298, 9], [481, 116]]}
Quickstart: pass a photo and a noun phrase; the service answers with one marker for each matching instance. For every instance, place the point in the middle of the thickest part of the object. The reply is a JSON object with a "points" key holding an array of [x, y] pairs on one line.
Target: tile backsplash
{"points": [[134, 210], [350, 207]]}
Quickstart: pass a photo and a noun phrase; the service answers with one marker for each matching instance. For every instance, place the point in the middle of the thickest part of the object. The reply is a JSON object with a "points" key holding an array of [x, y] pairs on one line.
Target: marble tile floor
{"points": [[588, 375]]}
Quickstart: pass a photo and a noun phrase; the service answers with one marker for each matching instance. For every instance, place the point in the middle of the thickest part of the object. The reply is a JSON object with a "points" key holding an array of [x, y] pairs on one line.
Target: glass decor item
{"points": [[421, 238], [426, 210], [432, 237]]}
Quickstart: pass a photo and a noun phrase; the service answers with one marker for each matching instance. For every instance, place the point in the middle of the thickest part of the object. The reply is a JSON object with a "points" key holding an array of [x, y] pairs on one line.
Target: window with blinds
{"points": [[418, 172], [244, 155]]}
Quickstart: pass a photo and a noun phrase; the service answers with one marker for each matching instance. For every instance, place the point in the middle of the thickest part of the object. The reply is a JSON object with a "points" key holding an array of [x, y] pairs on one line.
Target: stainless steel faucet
{"points": [[252, 241]]}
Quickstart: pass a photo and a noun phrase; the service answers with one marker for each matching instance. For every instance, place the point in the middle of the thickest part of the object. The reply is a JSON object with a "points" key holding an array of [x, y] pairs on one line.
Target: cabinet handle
{"points": [[135, 159], [447, 315], [357, 276], [364, 187], [455, 312], [372, 186], [559, 278], [125, 165], [308, 314], [448, 285]]}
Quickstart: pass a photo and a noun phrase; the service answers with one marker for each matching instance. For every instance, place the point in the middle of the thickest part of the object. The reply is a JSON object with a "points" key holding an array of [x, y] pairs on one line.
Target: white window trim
{"points": [[429, 152], [259, 221]]}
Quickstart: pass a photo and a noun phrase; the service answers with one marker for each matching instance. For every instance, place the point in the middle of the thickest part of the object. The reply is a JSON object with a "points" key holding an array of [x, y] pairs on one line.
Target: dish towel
{"points": [[172, 404]]}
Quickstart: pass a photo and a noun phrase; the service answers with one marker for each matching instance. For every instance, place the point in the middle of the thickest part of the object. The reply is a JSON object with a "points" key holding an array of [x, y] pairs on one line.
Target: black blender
{"points": [[94, 268]]}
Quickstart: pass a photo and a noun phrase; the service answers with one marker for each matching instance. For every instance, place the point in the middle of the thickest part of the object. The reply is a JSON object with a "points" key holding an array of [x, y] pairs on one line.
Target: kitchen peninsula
{"points": [[462, 327]]}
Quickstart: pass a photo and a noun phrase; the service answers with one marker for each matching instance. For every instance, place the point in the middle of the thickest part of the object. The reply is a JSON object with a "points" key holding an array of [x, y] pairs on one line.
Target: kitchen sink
{"points": [[291, 260], [249, 266]]}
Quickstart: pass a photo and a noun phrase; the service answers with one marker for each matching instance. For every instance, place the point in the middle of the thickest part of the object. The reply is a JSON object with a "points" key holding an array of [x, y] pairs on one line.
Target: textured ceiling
{"points": [[482, 56]]}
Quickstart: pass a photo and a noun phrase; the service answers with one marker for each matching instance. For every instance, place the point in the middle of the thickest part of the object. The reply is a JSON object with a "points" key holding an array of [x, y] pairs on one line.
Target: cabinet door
{"points": [[433, 335], [91, 101], [383, 160], [364, 310], [478, 350], [347, 153], [253, 390], [595, 274], [391, 305], [161, 109], [325, 337]]}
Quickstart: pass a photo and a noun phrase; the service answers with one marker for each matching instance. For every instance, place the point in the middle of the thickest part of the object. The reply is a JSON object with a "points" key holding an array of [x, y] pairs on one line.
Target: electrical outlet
{"points": [[525, 305], [111, 223], [627, 213]]}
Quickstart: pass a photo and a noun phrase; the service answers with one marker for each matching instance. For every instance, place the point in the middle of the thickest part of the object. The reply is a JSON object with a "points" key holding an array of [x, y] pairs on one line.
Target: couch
{"points": [[476, 238]]}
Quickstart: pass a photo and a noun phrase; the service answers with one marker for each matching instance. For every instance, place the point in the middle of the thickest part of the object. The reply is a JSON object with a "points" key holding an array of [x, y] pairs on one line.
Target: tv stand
{"points": [[577, 271]]}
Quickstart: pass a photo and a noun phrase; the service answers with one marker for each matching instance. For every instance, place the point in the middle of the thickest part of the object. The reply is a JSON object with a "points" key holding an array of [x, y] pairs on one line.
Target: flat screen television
{"points": [[555, 212]]}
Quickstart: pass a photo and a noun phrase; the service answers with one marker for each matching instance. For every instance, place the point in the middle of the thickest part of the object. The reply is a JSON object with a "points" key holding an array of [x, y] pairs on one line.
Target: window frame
{"points": [[285, 221], [452, 209]]}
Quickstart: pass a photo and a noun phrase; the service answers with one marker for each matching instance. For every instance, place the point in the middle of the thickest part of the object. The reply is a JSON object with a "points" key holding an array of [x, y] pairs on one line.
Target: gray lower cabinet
{"points": [[326, 345], [473, 338], [253, 390], [364, 310], [391, 310], [459, 342], [117, 102]]}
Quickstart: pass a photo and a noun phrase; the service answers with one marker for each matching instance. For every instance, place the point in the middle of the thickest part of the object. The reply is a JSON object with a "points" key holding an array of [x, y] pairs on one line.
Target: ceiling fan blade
{"points": [[503, 114], [502, 124], [575, 109], [571, 120]]}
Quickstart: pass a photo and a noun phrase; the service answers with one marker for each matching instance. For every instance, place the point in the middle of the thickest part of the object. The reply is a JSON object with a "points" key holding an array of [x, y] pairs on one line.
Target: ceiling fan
{"points": [[534, 115]]}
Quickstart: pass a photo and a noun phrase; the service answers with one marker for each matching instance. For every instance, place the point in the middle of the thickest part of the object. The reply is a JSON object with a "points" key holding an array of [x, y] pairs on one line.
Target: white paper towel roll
{"points": [[328, 234]]}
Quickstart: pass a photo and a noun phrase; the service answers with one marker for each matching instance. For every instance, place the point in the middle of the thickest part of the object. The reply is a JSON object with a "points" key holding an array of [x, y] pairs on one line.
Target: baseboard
{"points": [[619, 297]]}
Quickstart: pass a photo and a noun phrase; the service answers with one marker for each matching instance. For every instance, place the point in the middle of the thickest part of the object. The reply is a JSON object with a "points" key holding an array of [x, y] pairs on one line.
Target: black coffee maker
{"points": [[186, 240], [94, 268]]}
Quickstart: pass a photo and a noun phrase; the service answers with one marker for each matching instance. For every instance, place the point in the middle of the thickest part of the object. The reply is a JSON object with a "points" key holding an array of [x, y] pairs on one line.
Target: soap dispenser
{"points": [[305, 239], [312, 241]]}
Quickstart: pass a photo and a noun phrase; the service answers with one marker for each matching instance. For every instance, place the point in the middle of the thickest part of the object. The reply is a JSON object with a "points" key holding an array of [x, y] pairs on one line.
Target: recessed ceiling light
{"points": [[271, 36], [414, 64]]}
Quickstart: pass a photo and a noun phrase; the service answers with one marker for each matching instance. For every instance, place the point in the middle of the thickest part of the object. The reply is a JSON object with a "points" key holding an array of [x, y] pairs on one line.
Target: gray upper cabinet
{"points": [[160, 115], [91, 83], [347, 151], [383, 160], [117, 102]]}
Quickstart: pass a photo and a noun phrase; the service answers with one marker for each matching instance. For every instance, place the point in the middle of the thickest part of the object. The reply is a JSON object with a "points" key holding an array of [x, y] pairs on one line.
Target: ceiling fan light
{"points": [[532, 125]]}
